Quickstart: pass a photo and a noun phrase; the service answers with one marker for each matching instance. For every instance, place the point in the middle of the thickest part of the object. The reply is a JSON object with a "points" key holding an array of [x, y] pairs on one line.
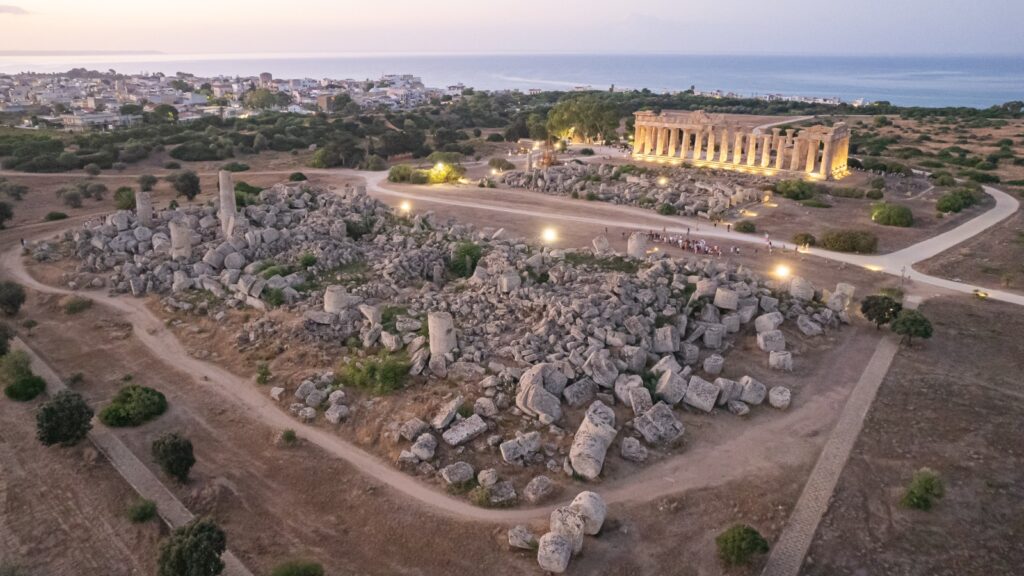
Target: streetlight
{"points": [[549, 235], [405, 206], [663, 181], [782, 271]]}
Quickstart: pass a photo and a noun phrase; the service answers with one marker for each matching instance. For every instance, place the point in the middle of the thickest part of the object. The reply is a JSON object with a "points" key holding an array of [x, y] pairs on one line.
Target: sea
{"points": [[974, 81]]}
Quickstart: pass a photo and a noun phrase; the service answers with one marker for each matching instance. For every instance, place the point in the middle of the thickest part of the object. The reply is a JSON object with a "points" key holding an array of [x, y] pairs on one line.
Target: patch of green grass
{"points": [[379, 375], [298, 568], [389, 314], [739, 544], [289, 437], [76, 305], [815, 203], [262, 373]]}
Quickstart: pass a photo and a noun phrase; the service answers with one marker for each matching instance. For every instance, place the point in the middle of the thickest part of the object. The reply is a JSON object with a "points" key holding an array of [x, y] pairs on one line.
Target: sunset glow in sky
{"points": [[473, 26]]}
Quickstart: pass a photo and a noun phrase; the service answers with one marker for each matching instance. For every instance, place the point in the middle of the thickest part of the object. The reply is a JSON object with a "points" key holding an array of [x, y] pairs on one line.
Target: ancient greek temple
{"points": [[701, 139]]}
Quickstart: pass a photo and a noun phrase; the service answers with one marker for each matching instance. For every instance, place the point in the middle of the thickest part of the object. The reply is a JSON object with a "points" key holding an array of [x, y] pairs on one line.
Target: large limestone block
{"points": [[753, 391], [591, 441], [553, 552], [666, 340], [768, 322], [465, 430], [568, 523], [782, 360], [670, 388], [801, 289], [659, 425], [636, 246], [701, 394], [591, 506], [772, 341], [726, 299]]}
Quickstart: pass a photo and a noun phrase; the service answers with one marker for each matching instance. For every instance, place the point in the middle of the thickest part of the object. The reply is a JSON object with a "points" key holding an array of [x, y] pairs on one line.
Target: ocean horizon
{"points": [[974, 81]]}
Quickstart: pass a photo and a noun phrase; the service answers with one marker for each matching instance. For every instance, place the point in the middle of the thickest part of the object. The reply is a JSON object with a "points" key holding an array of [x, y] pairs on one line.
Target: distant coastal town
{"points": [[81, 99]]}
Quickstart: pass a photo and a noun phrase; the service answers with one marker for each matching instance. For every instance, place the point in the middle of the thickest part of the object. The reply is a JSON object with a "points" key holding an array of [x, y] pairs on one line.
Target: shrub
{"points": [[92, 169], [14, 366], [147, 182], [925, 487], [878, 183], [66, 419], [464, 258], [235, 167], [77, 304], [12, 296], [419, 177], [186, 183], [880, 309], [586, 151], [376, 163], [956, 200], [844, 192], [911, 323], [815, 203], [6, 213], [174, 455], [124, 198], [892, 215], [745, 226], [289, 437], [297, 177], [739, 543], [72, 199], [274, 296], [53, 216], [980, 177], [874, 194], [804, 239], [172, 166], [298, 568], [500, 164], [142, 510], [25, 388], [857, 241], [495, 137], [262, 373], [795, 189], [133, 405], [381, 375], [193, 550], [400, 173], [667, 209], [5, 337]]}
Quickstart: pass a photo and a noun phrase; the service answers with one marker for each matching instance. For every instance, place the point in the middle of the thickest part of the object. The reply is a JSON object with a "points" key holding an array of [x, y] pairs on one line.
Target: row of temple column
{"points": [[793, 152]]}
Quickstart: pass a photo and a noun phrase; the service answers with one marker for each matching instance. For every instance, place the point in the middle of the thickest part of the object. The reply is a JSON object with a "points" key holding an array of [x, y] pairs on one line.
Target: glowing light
{"points": [[549, 235], [748, 213], [663, 181], [873, 267], [405, 206], [439, 166], [494, 171], [782, 271], [981, 294]]}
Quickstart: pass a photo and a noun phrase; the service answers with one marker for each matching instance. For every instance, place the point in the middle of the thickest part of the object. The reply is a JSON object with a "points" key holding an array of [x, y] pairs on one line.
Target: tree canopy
{"points": [[584, 118], [880, 309]]}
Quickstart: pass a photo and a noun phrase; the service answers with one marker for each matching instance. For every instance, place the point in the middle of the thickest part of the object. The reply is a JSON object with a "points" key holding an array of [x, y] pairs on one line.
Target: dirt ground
{"points": [[954, 404], [63, 511], [994, 258]]}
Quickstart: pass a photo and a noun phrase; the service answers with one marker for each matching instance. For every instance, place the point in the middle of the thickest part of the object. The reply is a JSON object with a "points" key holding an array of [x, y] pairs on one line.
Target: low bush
{"points": [[745, 226], [892, 215], [804, 239], [874, 194], [124, 198], [815, 203], [66, 419], [844, 192], [172, 166], [495, 137], [379, 375], [925, 488], [400, 173], [235, 167], [464, 258], [795, 189], [92, 169], [12, 296], [980, 177], [956, 200], [142, 510], [25, 388], [500, 164], [297, 177], [76, 304], [298, 568], [54, 216], [856, 241], [739, 544], [586, 151], [174, 455], [376, 163], [289, 437], [133, 405], [667, 209]]}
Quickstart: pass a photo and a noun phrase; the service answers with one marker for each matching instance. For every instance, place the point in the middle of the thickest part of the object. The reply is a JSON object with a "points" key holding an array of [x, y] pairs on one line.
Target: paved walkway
{"points": [[128, 466]]}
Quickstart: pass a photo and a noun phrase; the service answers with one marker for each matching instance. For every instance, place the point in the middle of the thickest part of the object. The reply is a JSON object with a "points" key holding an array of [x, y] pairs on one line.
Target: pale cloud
{"points": [[15, 10]]}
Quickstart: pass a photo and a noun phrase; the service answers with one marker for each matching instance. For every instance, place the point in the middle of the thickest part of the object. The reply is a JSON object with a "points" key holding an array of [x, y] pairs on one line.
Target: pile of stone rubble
{"points": [[687, 191], [538, 339], [568, 525]]}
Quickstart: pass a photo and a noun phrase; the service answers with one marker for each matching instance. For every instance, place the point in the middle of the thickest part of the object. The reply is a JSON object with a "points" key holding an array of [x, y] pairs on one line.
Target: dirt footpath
{"points": [[954, 404]]}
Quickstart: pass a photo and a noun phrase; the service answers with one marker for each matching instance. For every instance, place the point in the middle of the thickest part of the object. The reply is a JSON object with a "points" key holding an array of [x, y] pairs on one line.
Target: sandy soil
{"points": [[954, 404], [994, 258]]}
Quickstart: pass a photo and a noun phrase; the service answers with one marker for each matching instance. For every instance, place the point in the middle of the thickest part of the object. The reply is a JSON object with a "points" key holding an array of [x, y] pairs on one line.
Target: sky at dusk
{"points": [[863, 27]]}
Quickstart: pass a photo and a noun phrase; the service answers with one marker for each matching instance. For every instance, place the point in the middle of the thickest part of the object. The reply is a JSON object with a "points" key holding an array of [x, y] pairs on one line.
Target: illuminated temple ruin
{"points": [[701, 139]]}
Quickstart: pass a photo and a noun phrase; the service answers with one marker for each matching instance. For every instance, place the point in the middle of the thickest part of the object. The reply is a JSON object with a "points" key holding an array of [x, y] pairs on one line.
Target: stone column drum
{"points": [[228, 211], [636, 246], [144, 208], [442, 333], [181, 240]]}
